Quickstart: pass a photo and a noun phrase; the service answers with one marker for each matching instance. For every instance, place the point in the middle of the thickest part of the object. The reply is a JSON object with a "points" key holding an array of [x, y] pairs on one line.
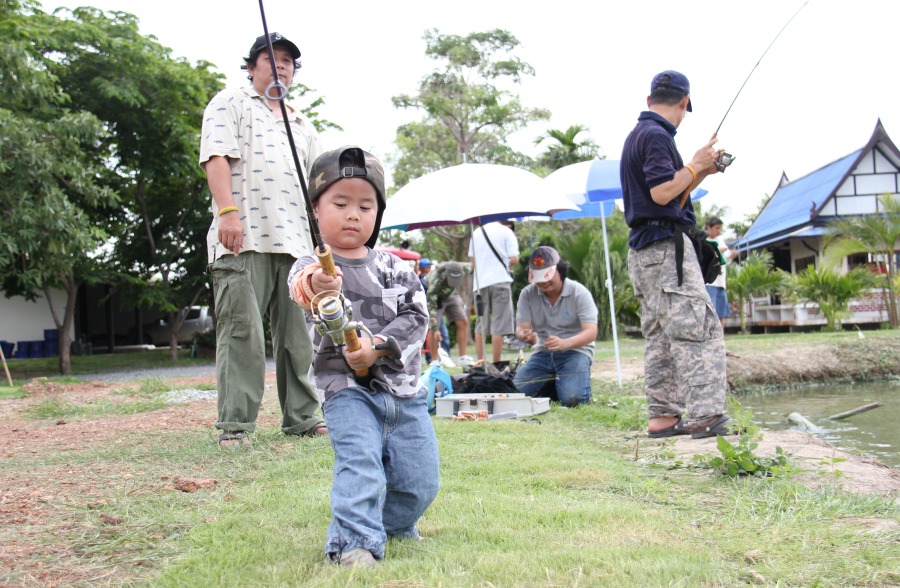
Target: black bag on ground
{"points": [[481, 381]]}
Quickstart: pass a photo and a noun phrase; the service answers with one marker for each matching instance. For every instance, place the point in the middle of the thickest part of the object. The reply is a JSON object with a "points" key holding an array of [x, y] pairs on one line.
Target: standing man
{"points": [[716, 289], [259, 228], [444, 301], [559, 317], [684, 353], [493, 251], [425, 270]]}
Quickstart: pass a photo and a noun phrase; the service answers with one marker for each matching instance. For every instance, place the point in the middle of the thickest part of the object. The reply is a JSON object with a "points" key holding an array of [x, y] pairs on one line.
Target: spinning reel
{"points": [[333, 317]]}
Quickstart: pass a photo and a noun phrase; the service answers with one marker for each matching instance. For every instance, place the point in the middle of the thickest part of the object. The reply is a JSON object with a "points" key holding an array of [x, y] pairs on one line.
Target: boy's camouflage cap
{"points": [[326, 170]]}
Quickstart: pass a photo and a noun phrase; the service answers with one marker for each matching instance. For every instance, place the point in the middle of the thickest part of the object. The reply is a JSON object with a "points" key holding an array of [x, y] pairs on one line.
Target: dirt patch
{"points": [[857, 475], [42, 508]]}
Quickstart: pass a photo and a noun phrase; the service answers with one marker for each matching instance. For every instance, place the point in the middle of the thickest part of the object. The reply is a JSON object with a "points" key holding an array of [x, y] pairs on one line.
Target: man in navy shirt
{"points": [[684, 354]]}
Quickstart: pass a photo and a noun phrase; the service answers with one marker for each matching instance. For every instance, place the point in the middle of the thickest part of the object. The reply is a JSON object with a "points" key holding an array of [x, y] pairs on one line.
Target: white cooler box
{"points": [[522, 405]]}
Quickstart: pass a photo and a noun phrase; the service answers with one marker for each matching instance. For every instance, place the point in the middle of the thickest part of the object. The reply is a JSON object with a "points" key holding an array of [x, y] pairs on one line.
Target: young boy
{"points": [[386, 454]]}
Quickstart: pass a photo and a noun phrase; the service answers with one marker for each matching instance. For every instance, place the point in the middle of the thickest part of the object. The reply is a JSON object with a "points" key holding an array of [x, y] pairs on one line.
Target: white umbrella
{"points": [[470, 193]]}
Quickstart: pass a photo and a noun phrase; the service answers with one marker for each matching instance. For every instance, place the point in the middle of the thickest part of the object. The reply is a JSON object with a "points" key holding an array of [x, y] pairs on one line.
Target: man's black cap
{"points": [[277, 39]]}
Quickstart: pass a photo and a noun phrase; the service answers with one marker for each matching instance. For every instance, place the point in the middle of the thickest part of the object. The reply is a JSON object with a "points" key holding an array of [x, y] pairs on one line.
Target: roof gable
{"points": [[797, 202], [795, 205]]}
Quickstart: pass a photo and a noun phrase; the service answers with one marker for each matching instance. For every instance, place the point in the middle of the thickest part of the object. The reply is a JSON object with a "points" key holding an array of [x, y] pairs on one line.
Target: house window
{"points": [[858, 260], [801, 263]]}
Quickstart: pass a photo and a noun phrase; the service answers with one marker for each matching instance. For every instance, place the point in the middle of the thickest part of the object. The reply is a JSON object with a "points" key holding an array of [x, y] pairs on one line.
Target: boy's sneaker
{"points": [[465, 360], [358, 558]]}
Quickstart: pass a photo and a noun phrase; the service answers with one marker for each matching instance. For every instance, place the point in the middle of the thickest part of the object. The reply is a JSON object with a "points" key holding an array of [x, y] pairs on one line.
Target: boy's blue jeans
{"points": [[385, 468], [566, 372]]}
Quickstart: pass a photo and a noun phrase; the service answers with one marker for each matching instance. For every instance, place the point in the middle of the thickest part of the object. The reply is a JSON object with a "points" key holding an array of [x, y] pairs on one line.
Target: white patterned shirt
{"points": [[238, 124]]}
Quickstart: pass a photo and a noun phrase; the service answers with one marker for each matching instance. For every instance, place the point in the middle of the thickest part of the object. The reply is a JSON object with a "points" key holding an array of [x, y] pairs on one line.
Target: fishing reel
{"points": [[333, 317], [723, 160]]}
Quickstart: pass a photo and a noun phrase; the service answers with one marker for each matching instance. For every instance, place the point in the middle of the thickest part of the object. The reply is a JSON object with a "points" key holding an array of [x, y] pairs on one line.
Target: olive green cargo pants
{"points": [[249, 287]]}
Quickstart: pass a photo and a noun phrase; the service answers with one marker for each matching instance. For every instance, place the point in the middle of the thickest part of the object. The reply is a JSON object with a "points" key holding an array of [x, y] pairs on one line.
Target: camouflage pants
{"points": [[684, 352]]}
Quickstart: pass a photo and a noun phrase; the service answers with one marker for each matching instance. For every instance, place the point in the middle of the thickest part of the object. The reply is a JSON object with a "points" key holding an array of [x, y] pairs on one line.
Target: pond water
{"points": [[875, 432]]}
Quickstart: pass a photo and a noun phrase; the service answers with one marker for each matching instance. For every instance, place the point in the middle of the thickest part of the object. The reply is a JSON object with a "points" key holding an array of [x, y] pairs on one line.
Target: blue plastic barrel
{"points": [[36, 349], [51, 335], [7, 347], [23, 350], [51, 348]]}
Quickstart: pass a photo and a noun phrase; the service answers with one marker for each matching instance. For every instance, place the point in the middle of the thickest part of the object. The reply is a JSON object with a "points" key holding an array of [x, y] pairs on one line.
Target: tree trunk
{"points": [[64, 327]]}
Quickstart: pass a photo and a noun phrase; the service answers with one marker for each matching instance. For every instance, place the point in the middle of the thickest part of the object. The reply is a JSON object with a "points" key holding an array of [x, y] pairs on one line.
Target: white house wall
{"points": [[874, 175], [21, 320]]}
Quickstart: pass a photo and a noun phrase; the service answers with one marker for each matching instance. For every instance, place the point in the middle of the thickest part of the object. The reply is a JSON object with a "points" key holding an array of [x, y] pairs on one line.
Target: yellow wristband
{"points": [[693, 173], [228, 209]]}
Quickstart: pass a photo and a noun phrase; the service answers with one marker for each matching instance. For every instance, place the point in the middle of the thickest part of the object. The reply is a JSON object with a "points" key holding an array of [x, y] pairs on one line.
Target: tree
{"points": [[753, 277], [468, 118], [740, 228], [878, 235], [49, 172], [152, 105], [567, 149], [829, 289]]}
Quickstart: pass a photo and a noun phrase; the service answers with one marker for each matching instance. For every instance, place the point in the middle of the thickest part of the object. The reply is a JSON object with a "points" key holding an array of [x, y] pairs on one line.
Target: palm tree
{"points": [[567, 149], [830, 290], [753, 277], [876, 234]]}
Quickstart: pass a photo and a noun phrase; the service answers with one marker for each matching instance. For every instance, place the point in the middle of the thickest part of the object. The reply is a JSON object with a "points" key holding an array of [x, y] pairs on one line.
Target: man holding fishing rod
{"points": [[684, 353], [259, 228]]}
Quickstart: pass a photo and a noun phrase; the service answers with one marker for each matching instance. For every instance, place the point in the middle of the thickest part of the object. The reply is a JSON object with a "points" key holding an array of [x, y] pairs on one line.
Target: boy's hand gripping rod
{"points": [[278, 91]]}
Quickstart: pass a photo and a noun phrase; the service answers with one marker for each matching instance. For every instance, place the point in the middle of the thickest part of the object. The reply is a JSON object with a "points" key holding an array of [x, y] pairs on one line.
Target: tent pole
{"points": [[612, 303]]}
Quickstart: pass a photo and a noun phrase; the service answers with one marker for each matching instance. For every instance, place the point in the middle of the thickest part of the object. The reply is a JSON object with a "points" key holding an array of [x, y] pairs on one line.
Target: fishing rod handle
{"points": [[328, 268]]}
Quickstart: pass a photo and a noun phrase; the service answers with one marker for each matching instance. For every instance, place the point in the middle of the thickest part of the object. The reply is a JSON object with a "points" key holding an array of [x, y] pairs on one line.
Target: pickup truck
{"points": [[198, 320]]}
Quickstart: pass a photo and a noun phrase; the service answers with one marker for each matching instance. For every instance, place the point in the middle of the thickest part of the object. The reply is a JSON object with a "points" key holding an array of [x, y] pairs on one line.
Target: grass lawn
{"points": [[581, 498]]}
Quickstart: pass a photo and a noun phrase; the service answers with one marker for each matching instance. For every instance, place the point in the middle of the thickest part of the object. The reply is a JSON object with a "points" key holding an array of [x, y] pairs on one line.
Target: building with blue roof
{"points": [[794, 222]]}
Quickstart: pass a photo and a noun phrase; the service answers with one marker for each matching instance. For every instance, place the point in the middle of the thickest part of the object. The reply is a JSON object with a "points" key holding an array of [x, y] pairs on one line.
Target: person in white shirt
{"points": [[259, 228], [493, 251]]}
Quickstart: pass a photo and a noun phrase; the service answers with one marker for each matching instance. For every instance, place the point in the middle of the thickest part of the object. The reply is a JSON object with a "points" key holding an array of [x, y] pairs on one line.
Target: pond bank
{"points": [[787, 359]]}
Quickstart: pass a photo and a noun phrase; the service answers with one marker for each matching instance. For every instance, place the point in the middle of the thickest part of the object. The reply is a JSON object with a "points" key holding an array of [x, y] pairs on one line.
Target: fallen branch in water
{"points": [[799, 419], [849, 413]]}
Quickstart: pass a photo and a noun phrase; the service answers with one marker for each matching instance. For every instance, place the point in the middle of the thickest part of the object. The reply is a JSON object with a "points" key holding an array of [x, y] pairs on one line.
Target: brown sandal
{"points": [[233, 439]]}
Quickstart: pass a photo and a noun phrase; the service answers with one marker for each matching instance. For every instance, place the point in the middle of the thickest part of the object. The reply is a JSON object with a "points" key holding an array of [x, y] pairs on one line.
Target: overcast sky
{"points": [[814, 98]]}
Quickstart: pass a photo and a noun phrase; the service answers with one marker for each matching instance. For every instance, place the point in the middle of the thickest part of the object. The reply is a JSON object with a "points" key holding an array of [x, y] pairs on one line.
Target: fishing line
{"points": [[757, 64]]}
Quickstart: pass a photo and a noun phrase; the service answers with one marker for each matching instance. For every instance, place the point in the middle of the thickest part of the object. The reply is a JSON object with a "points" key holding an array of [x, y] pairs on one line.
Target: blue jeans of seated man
{"points": [[385, 468], [564, 376]]}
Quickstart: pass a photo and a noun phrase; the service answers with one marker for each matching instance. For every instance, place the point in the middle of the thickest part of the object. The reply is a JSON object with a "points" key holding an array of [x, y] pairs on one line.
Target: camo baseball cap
{"points": [[349, 161], [453, 271]]}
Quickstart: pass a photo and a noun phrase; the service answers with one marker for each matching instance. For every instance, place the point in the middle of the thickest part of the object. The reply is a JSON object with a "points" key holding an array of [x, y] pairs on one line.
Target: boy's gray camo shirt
{"points": [[388, 298]]}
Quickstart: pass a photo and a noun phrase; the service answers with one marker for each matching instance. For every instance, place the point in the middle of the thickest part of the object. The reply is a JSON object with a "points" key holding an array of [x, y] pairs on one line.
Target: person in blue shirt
{"points": [[684, 353]]}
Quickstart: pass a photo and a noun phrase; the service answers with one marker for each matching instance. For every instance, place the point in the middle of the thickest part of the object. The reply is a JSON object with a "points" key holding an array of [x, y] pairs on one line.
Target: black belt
{"points": [[680, 230]]}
